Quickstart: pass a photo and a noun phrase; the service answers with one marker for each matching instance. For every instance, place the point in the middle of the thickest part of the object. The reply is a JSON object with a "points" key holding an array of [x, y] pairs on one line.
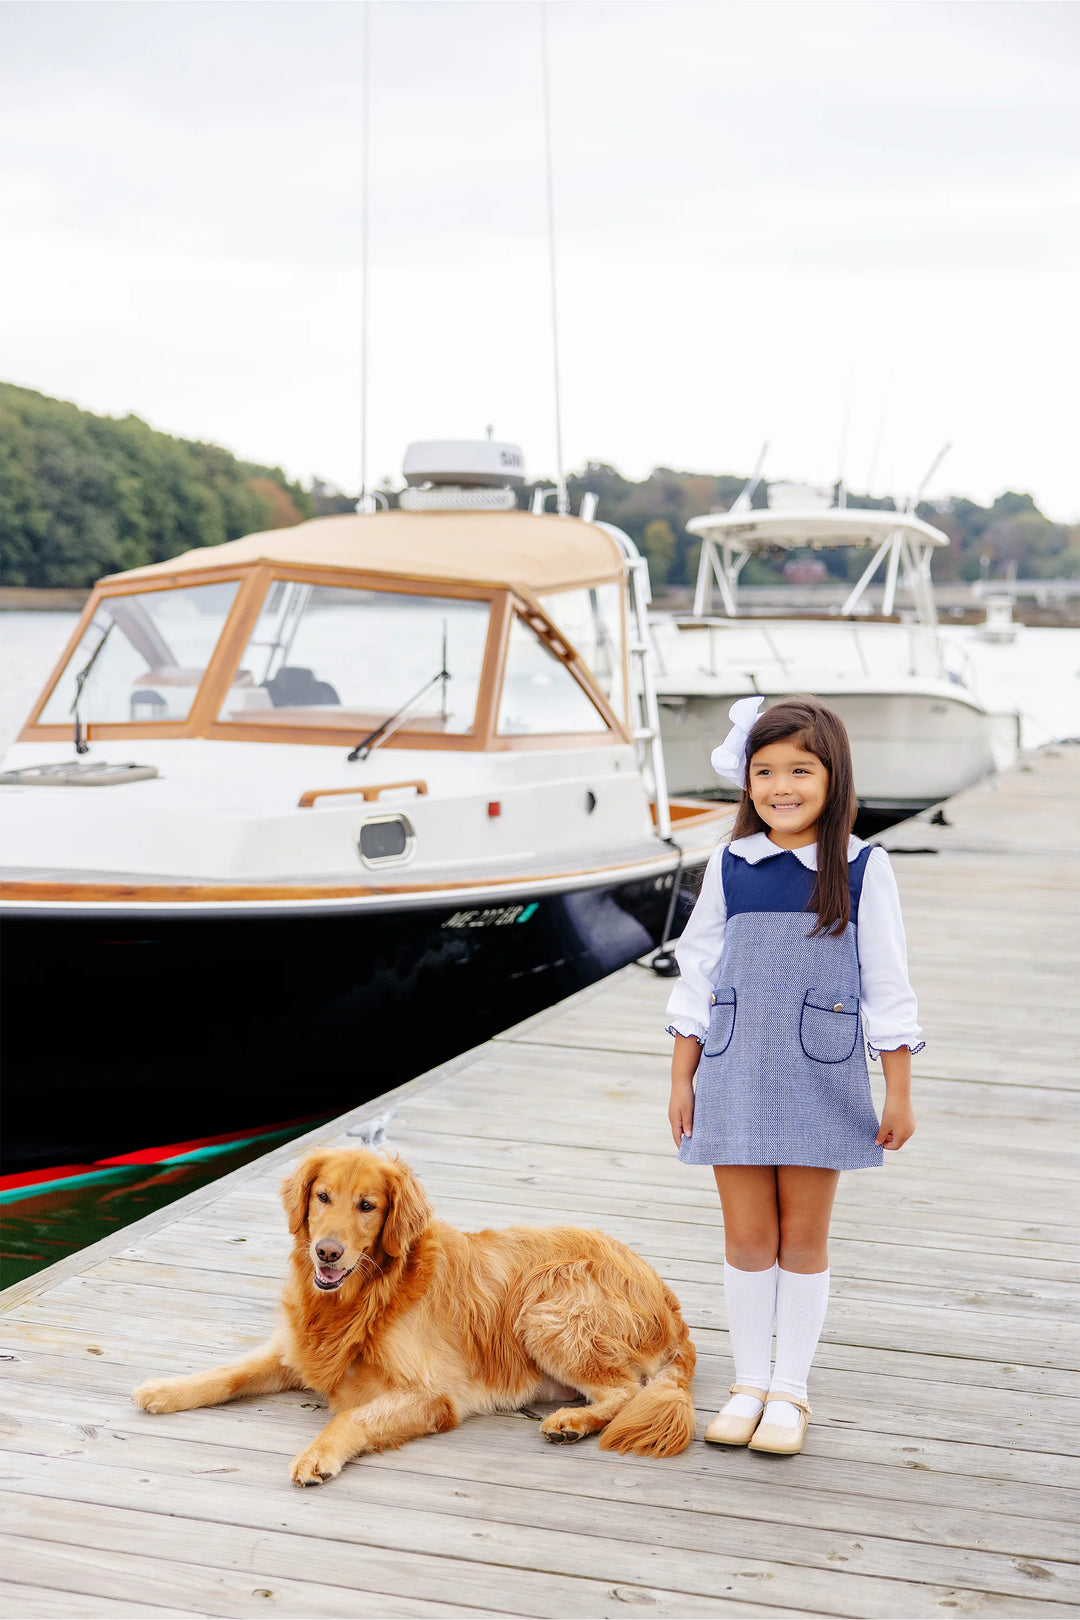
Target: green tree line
{"points": [[84, 495]]}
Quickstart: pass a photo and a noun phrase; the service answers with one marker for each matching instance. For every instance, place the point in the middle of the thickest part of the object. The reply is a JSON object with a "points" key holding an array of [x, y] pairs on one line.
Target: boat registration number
{"points": [[492, 917]]}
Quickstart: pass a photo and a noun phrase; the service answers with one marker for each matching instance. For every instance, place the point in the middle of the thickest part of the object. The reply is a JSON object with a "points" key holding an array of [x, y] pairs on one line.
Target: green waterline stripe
{"points": [[11, 1195], [114, 1172]]}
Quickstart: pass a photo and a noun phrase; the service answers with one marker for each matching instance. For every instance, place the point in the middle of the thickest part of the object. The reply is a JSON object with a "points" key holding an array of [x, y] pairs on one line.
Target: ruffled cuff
{"points": [[893, 1046], [689, 1027]]}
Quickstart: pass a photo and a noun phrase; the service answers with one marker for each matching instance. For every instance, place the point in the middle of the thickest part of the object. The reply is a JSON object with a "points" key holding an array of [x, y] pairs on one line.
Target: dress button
{"points": [[712, 1001], [839, 1007]]}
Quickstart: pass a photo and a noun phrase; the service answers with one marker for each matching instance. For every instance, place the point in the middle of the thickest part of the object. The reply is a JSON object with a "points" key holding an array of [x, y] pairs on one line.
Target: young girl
{"points": [[797, 929]]}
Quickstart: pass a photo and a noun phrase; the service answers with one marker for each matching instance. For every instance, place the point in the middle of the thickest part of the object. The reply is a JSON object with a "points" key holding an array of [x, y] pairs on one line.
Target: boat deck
{"points": [[940, 1473]]}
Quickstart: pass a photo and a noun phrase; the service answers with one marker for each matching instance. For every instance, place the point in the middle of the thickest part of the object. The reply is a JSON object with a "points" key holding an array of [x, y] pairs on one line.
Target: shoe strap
{"points": [[793, 1400], [761, 1395]]}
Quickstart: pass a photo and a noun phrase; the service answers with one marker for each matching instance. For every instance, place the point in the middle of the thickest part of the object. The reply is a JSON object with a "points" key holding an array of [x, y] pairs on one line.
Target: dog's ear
{"points": [[409, 1212], [296, 1190]]}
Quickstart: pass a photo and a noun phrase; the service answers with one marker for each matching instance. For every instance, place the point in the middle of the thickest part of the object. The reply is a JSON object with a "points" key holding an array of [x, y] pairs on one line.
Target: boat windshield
{"points": [[336, 655], [540, 696], [149, 669], [592, 618]]}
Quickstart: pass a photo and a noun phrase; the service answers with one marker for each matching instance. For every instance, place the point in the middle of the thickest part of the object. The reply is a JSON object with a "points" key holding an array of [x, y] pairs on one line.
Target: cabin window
{"points": [[592, 619], [142, 657], [330, 655], [539, 695]]}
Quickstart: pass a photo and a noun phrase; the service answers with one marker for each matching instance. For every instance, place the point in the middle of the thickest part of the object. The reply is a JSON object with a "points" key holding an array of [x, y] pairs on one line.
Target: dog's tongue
{"points": [[330, 1274]]}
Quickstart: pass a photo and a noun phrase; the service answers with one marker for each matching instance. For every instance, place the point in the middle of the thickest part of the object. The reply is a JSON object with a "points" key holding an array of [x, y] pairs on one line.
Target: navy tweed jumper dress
{"points": [[782, 1077]]}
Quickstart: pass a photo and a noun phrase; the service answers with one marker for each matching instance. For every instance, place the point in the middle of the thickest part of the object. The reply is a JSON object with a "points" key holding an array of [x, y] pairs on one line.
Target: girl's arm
{"points": [[889, 1004], [888, 1001], [698, 956], [897, 1116], [684, 1062]]}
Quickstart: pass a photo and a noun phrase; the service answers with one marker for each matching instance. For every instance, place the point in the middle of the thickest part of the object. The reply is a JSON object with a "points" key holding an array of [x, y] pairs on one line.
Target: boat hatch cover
{"points": [[77, 773]]}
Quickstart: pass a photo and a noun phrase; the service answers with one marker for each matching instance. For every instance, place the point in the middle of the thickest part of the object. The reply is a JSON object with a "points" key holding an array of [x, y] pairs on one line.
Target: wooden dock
{"points": [[940, 1474]]}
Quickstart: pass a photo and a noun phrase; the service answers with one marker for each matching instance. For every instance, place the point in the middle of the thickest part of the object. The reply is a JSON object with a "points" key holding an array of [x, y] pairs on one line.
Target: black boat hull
{"points": [[126, 1031]]}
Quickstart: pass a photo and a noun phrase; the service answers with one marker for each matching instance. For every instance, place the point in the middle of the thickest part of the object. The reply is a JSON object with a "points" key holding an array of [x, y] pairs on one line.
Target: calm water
{"points": [[1039, 675]]}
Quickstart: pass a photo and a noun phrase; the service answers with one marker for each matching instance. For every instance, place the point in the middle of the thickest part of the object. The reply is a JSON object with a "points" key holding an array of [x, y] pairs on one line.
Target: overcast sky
{"points": [[771, 218]]}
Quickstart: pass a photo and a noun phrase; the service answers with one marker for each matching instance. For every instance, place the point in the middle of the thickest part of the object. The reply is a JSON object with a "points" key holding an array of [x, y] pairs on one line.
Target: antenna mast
{"points": [[841, 454], [561, 499], [913, 500], [366, 503]]}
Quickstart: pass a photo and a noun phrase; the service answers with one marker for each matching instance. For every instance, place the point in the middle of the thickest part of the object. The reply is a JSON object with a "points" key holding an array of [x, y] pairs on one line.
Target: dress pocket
{"points": [[721, 1022], [829, 1026]]}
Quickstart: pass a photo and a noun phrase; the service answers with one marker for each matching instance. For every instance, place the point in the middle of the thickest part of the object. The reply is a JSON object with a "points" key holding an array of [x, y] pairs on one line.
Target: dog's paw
{"points": [[314, 1465], [159, 1395], [566, 1425]]}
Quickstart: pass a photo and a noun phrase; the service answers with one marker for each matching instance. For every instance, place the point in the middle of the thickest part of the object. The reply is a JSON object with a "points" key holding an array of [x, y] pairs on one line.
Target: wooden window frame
{"points": [[255, 580], [624, 626], [195, 723]]}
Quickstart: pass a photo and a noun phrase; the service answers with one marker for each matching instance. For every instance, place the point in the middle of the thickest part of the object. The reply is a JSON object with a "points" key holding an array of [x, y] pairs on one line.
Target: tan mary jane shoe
{"points": [[777, 1437], [736, 1431]]}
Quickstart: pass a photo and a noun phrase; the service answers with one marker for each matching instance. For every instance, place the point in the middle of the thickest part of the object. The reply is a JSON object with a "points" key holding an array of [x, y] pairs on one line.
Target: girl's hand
{"points": [[681, 1110], [897, 1124], [684, 1062]]}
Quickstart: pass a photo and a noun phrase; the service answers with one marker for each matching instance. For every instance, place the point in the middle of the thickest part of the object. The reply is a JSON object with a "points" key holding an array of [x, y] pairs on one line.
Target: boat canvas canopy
{"points": [[515, 549], [838, 526]]}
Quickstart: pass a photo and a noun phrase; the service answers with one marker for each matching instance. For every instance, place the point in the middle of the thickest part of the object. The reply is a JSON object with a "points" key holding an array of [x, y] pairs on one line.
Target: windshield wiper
{"points": [[388, 726], [81, 678]]}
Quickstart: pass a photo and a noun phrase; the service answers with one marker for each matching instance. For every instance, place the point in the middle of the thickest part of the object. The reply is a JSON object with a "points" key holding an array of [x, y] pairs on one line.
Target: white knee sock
{"points": [[801, 1302], [750, 1297]]}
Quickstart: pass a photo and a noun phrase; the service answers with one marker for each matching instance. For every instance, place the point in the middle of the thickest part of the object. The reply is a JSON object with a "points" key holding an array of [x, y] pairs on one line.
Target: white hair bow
{"points": [[729, 760]]}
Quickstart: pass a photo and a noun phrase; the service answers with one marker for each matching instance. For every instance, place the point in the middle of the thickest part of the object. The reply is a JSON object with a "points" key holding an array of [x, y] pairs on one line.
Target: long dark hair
{"points": [[806, 721]]}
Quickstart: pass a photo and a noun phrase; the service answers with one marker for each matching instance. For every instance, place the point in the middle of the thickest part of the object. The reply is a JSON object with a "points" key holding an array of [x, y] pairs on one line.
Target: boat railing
{"points": [[794, 649], [370, 793]]}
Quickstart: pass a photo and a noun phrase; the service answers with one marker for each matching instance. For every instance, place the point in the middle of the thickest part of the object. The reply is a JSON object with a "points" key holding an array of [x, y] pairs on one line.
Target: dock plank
{"points": [[942, 1468]]}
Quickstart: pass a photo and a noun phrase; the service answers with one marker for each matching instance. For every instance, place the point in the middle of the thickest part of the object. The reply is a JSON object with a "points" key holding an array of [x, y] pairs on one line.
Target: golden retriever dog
{"points": [[407, 1325]]}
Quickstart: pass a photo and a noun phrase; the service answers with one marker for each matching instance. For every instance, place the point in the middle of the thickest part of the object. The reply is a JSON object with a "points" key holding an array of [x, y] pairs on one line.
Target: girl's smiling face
{"points": [[788, 786]]}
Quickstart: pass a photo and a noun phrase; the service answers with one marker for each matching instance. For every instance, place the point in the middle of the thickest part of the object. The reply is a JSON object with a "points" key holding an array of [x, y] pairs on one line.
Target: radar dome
{"points": [[465, 463]]}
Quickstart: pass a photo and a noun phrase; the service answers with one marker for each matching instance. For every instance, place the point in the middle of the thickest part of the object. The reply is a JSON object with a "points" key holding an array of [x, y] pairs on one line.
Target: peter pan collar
{"points": [[759, 846]]}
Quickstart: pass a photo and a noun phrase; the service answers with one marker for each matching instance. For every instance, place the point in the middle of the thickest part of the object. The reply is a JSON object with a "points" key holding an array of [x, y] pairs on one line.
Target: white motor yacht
{"points": [[919, 732], [299, 815]]}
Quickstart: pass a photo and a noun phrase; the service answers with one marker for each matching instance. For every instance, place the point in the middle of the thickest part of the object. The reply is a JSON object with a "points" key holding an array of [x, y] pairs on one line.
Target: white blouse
{"points": [[888, 1001]]}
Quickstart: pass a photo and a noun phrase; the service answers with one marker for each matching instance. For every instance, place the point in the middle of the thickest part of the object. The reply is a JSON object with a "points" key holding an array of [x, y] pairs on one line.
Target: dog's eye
{"points": [[323, 1197], [366, 1205]]}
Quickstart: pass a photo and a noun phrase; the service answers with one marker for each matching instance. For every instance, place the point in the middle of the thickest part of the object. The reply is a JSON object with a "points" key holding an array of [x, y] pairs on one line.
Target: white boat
{"points": [[998, 627], [298, 815], [919, 732]]}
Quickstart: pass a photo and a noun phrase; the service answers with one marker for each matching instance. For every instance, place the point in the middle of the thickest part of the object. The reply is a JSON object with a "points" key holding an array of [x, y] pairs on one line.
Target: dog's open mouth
{"points": [[331, 1277]]}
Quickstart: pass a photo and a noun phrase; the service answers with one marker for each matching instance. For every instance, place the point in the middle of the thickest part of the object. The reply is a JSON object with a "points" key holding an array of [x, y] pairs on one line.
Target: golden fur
{"points": [[429, 1325]]}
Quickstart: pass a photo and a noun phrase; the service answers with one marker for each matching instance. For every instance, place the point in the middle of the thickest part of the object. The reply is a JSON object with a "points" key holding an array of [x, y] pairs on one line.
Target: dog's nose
{"points": [[329, 1251]]}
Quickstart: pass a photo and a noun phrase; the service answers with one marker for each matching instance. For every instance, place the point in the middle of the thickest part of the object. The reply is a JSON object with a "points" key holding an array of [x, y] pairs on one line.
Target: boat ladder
{"points": [[644, 710]]}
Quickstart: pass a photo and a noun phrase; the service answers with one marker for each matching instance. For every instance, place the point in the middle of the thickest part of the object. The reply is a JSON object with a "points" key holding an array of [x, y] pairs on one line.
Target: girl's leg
{"points": [[749, 1199], [751, 1237], [805, 1198]]}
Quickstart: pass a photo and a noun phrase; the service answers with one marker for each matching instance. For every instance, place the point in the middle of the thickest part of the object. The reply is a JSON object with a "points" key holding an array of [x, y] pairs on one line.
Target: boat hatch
{"points": [[77, 773]]}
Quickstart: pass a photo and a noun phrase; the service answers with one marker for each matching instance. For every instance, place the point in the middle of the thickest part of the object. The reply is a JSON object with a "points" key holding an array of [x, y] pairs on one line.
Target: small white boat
{"points": [[998, 627], [918, 730], [299, 815]]}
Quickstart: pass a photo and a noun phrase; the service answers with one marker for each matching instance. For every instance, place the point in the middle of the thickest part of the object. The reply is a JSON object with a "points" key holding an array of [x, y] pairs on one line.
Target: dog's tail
{"points": [[659, 1420]]}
